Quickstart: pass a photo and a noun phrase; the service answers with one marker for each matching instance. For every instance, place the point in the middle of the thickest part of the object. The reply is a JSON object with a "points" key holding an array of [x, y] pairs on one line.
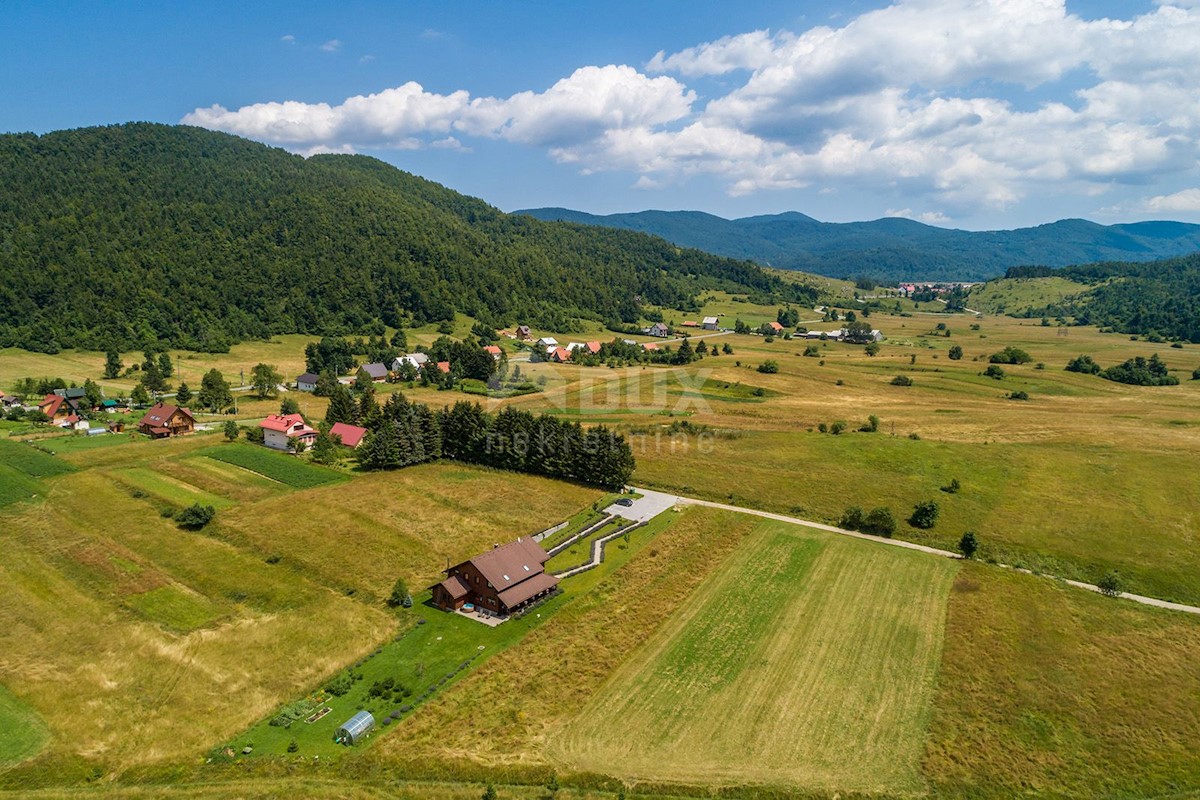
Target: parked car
{"points": [[625, 501]]}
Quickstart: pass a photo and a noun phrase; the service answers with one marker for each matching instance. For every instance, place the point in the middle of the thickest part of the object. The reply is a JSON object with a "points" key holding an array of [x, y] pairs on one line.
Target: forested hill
{"points": [[1157, 299], [896, 249], [134, 235]]}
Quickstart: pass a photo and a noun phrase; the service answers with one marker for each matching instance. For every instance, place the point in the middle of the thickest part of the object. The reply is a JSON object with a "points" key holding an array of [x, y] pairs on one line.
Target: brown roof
{"points": [[509, 564], [455, 587], [515, 595], [159, 413]]}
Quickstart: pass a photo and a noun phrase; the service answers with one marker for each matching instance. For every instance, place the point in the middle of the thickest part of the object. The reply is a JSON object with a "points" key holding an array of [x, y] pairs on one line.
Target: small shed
{"points": [[353, 730]]}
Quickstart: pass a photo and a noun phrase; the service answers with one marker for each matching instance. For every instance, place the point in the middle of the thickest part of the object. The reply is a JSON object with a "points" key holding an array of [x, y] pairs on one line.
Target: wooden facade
{"points": [[499, 582], [162, 421]]}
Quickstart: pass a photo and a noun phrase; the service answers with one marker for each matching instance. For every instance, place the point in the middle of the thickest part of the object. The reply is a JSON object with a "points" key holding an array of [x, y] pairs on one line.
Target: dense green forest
{"points": [[1157, 299], [142, 236], [895, 249]]}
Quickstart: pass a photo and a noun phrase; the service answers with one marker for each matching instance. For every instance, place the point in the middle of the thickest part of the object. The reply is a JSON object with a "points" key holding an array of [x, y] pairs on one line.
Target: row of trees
{"points": [[401, 433], [1138, 370]]}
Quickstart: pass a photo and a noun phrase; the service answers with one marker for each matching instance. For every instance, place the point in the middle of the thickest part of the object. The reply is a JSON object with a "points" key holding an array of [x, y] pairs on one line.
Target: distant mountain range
{"points": [[895, 249]]}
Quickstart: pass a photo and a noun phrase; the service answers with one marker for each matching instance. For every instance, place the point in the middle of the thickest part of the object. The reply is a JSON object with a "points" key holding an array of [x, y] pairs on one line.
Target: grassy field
{"points": [[1046, 690], [272, 464], [784, 622], [1015, 295], [22, 732]]}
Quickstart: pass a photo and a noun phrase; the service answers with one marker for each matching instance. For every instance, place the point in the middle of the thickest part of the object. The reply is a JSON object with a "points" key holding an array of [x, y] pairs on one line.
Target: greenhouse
{"points": [[356, 728]]}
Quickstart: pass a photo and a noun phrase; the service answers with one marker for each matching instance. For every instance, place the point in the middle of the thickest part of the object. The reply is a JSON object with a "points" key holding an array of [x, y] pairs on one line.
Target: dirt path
{"points": [[1137, 598]]}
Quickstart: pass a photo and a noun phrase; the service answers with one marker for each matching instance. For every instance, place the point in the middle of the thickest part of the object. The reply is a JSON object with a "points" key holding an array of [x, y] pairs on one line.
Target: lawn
{"points": [[277, 466], [785, 622], [1047, 690], [22, 732], [32, 461]]}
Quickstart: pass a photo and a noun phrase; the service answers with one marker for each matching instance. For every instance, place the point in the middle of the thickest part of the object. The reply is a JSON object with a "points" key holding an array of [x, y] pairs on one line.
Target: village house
{"points": [[500, 581], [775, 327], [689, 323], [57, 407], [281, 430], [559, 355], [523, 333], [351, 435], [709, 323], [417, 360], [547, 342], [444, 367], [593, 347], [494, 351], [658, 329], [378, 371], [306, 382], [163, 421]]}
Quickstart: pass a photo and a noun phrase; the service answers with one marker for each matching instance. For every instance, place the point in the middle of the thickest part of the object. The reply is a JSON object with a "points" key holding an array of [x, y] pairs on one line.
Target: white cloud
{"points": [[928, 217], [1186, 200], [430, 33], [367, 59], [288, 38], [332, 46], [953, 104]]}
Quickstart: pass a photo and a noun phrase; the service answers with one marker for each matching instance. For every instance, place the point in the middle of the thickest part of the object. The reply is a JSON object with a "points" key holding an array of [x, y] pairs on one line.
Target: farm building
{"points": [[351, 435], [355, 729], [306, 382], [709, 323], [659, 329], [162, 421], [378, 371], [279, 430], [417, 360], [500, 581]]}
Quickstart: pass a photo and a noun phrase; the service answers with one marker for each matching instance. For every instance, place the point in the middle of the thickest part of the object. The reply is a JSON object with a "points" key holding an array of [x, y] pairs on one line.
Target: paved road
{"points": [[662, 501]]}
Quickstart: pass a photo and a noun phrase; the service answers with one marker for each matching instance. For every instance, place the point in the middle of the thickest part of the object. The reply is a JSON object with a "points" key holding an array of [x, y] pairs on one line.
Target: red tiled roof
{"points": [[775, 325], [444, 366], [493, 349], [50, 405], [559, 354], [351, 434], [280, 422], [650, 346], [593, 347]]}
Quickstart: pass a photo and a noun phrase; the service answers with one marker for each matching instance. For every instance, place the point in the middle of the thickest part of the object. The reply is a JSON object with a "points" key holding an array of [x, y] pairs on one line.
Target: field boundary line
{"points": [[1091, 587]]}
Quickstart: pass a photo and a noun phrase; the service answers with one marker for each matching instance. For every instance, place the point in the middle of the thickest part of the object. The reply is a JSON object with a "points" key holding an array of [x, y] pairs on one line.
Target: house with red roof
{"points": [[593, 347], [560, 355], [163, 421], [494, 351], [351, 435], [775, 327], [444, 366], [282, 431]]}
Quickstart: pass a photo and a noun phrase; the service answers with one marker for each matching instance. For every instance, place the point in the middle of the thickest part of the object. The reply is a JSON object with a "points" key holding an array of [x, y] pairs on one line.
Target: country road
{"points": [[663, 500]]}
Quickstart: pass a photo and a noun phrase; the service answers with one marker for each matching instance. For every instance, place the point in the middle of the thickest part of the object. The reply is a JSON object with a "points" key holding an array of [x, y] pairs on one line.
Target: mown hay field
{"points": [[801, 649]]}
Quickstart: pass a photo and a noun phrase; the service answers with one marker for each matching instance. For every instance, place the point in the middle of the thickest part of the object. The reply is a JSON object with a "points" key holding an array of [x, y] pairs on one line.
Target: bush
{"points": [[1196, 374], [399, 595], [994, 371], [1011, 355], [872, 349], [1111, 584], [231, 430], [902, 380], [837, 427], [853, 519], [812, 351], [952, 487], [879, 522], [872, 425], [195, 516], [1141, 372], [924, 515], [769, 367], [1083, 364], [968, 545], [1018, 395], [956, 353]]}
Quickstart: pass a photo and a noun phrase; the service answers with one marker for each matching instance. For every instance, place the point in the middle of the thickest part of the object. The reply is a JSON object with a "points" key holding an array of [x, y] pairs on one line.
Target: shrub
{"points": [[1083, 364], [872, 349], [1018, 395], [231, 430], [879, 522], [1196, 374], [195, 516], [837, 427], [812, 351], [952, 487], [853, 519], [1111, 584], [1141, 372], [399, 595], [902, 380], [293, 746], [872, 425], [769, 367], [822, 427], [340, 684], [924, 515], [968, 545], [994, 371], [1011, 355], [956, 353]]}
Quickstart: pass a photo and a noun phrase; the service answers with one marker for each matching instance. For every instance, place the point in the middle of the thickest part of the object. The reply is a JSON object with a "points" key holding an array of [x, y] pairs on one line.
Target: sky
{"points": [[976, 114]]}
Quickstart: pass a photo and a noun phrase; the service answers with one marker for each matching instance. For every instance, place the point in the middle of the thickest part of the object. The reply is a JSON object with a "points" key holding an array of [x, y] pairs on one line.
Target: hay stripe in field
{"points": [[286, 469]]}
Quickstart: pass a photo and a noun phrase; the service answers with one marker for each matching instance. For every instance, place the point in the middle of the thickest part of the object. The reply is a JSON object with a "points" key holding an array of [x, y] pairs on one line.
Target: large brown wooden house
{"points": [[500, 581], [162, 421]]}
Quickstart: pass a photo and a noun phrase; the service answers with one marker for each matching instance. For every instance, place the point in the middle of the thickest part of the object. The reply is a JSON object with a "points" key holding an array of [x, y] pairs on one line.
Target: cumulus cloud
{"points": [[964, 104], [1186, 200], [289, 38], [332, 46]]}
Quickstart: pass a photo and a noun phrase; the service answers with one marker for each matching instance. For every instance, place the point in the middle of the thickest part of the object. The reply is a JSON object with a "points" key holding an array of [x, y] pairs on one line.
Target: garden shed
{"points": [[354, 729]]}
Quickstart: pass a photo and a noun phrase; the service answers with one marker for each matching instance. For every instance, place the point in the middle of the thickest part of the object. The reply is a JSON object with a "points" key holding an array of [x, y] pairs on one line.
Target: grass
{"points": [[22, 732], [164, 487], [32, 461], [281, 467], [782, 622], [175, 608], [1016, 295], [581, 552], [1047, 690]]}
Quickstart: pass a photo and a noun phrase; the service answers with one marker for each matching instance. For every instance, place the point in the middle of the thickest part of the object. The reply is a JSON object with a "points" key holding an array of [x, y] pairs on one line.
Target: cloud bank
{"points": [[966, 104]]}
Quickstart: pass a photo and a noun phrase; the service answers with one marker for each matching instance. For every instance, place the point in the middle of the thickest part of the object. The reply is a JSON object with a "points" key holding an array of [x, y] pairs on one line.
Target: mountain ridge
{"points": [[896, 248]]}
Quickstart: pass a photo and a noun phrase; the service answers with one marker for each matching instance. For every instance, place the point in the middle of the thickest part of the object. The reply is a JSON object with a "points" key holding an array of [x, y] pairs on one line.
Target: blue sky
{"points": [[965, 113]]}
